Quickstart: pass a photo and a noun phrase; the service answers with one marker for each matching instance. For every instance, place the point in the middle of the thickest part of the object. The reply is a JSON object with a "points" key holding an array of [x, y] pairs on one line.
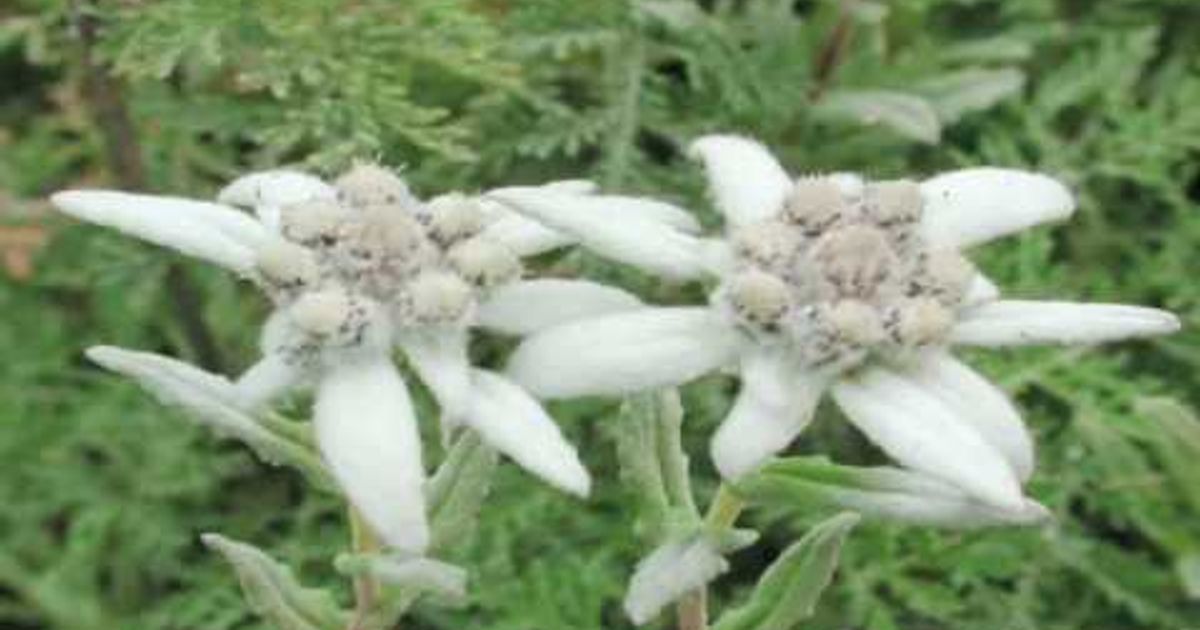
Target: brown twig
{"points": [[832, 53], [105, 97]]}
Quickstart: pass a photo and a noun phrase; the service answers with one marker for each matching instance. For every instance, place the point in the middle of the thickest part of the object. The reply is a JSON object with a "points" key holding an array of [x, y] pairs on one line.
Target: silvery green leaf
{"points": [[1174, 435], [679, 15], [273, 592], [652, 459], [414, 575], [789, 590], [959, 93], [1188, 568], [732, 540], [867, 11], [671, 571], [210, 400], [907, 114], [455, 493], [989, 50], [805, 482]]}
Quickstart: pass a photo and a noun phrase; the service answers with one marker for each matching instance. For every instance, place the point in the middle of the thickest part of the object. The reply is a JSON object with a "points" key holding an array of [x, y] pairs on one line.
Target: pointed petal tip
{"points": [[576, 481], [111, 358], [101, 354], [65, 199], [1034, 513]]}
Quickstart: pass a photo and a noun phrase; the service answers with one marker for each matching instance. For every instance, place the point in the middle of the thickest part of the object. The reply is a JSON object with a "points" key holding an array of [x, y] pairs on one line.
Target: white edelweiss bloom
{"points": [[356, 268], [828, 283]]}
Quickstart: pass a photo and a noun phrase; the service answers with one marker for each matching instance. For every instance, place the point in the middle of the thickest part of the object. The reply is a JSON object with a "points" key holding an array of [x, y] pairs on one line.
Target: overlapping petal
{"points": [[512, 422], [628, 229], [267, 380], [971, 206], [918, 430], [439, 357], [624, 352], [529, 306], [1022, 322], [276, 187], [746, 182], [775, 404], [973, 399], [367, 433]]}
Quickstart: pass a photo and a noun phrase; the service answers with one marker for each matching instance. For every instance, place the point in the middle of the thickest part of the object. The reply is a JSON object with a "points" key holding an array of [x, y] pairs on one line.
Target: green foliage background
{"points": [[103, 493]]}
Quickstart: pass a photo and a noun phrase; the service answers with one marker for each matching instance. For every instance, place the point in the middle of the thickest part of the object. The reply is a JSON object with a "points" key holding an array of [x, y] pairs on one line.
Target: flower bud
{"points": [[484, 262], [893, 203], [367, 184], [922, 322], [454, 218], [814, 204], [767, 244], [856, 322], [854, 260], [314, 223], [758, 297], [948, 275], [286, 266], [438, 297]]}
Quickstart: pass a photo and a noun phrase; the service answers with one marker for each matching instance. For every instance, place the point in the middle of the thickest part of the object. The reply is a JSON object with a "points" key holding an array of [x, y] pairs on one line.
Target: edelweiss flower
{"points": [[354, 269], [828, 283]]}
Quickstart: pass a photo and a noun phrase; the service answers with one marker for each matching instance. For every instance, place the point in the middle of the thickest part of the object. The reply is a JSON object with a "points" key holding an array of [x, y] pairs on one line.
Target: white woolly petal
{"points": [[971, 206], [981, 290], [669, 573], [211, 232], [573, 186], [1021, 322], [525, 307], [267, 380], [775, 404], [440, 358], [614, 226], [746, 181], [268, 191], [981, 404], [515, 424], [917, 498], [367, 433], [624, 352], [919, 431], [524, 236], [172, 381]]}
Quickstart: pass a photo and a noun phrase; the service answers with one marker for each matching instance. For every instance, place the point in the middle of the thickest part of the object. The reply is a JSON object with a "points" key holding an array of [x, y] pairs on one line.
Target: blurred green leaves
{"points": [[104, 498]]}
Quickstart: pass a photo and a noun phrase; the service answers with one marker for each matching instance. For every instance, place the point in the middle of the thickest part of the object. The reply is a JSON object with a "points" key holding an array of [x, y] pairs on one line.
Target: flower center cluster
{"points": [[352, 268], [842, 273]]}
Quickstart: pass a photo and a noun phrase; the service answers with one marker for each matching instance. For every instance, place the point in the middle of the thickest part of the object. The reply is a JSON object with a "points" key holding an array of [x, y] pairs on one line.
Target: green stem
{"points": [[366, 586], [724, 509], [692, 611]]}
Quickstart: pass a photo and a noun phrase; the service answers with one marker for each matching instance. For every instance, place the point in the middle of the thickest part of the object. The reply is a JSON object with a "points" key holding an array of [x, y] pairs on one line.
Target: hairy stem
{"points": [[833, 51], [366, 586], [692, 611]]}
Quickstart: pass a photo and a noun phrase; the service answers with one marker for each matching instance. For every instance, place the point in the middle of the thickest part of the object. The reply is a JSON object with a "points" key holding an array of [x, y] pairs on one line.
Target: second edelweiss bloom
{"points": [[354, 269], [829, 284]]}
